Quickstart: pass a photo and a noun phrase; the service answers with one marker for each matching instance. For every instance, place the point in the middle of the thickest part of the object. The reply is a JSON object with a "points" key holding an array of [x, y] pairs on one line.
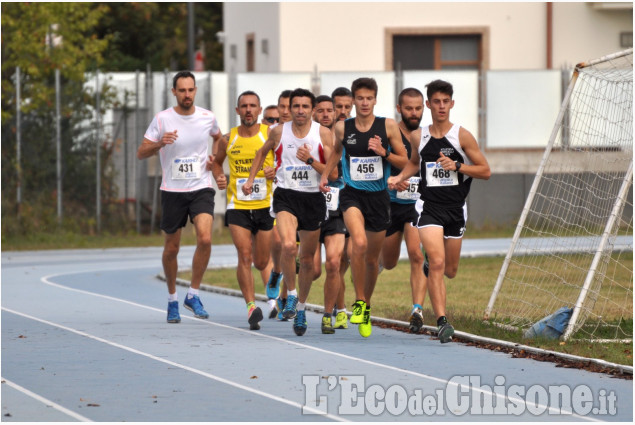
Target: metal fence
{"points": [[506, 110]]}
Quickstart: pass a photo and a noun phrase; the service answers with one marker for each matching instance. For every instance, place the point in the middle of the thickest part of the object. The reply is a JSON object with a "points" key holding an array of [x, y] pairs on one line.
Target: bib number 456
{"points": [[366, 168]]}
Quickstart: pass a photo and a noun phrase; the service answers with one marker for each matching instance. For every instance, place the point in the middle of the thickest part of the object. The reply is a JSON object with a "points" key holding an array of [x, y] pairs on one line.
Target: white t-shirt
{"points": [[183, 162]]}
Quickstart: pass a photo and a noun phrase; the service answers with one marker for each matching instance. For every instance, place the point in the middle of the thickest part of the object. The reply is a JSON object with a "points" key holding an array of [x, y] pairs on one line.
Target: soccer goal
{"points": [[573, 246]]}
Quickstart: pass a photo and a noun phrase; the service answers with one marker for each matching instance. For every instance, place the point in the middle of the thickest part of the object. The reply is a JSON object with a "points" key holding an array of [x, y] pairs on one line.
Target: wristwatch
{"points": [[387, 154], [309, 161], [457, 164]]}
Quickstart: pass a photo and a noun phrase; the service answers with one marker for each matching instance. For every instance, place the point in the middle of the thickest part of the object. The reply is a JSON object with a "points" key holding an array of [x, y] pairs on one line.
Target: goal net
{"points": [[573, 246]]}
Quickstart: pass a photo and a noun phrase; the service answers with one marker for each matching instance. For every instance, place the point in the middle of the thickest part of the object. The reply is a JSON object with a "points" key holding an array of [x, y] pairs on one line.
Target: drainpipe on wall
{"points": [[549, 34]]}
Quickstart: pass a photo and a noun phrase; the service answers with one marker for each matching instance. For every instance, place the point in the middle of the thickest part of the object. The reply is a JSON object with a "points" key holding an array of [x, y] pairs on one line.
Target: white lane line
{"points": [[178, 365], [445, 382], [46, 401]]}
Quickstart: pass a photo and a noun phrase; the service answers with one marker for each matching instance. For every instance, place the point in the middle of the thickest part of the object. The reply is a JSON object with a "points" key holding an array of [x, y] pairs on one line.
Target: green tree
{"points": [[40, 38], [156, 34]]}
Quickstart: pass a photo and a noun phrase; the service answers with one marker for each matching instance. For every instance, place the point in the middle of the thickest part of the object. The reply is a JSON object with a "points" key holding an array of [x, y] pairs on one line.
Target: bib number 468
{"points": [[441, 173]]}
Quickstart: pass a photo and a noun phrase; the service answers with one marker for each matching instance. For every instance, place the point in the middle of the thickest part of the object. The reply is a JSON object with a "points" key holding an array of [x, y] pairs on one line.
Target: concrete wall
{"points": [[352, 36]]}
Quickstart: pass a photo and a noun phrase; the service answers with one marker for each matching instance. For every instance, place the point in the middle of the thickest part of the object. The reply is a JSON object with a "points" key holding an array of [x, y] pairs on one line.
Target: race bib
{"points": [[186, 168], [366, 168], [412, 192], [301, 177], [332, 198], [436, 176], [258, 193]]}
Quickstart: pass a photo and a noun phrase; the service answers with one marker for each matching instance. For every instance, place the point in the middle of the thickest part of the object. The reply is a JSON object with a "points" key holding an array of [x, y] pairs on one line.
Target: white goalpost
{"points": [[573, 245]]}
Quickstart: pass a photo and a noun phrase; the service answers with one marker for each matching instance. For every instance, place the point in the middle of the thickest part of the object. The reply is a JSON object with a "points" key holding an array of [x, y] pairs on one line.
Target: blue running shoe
{"points": [[289, 310], [273, 285], [194, 304], [281, 303], [299, 323], [173, 312]]}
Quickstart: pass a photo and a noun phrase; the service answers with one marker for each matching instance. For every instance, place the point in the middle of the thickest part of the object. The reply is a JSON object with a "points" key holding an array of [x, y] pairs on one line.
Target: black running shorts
{"points": [[177, 206], [400, 216], [333, 226], [374, 206], [253, 220], [452, 219], [309, 208]]}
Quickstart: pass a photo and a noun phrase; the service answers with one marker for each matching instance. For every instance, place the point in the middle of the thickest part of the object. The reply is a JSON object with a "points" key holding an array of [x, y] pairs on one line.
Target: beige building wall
{"points": [[352, 36], [584, 31], [355, 36]]}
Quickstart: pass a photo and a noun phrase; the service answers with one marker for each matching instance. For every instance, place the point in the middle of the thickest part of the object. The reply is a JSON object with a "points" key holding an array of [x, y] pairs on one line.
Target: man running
{"points": [[301, 146], [180, 136], [449, 158], [247, 217], [403, 213], [367, 145], [333, 232]]}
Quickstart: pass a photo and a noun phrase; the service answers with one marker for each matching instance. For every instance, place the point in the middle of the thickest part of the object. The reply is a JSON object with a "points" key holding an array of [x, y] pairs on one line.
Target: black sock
{"points": [[442, 320]]}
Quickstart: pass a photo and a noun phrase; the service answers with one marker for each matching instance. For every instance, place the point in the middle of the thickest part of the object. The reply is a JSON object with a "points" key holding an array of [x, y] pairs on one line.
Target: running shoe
{"points": [[445, 333], [194, 304], [289, 310], [299, 323], [273, 305], [173, 312], [426, 265], [416, 320], [273, 285], [281, 303], [341, 320], [365, 328], [254, 315], [327, 325], [358, 312]]}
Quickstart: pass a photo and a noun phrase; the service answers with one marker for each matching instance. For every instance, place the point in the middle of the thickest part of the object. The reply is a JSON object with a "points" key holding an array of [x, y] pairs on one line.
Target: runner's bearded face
{"points": [[411, 110], [185, 93]]}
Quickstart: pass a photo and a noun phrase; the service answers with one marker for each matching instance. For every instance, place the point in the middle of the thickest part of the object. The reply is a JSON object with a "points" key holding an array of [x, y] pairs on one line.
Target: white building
{"points": [[376, 36]]}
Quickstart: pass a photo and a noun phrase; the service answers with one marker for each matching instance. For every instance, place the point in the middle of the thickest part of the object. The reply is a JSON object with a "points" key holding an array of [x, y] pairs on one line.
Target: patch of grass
{"points": [[467, 298], [72, 240]]}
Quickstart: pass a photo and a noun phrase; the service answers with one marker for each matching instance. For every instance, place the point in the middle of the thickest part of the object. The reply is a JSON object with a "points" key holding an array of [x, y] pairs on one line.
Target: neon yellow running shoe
{"points": [[327, 325], [358, 312], [341, 320], [365, 328]]}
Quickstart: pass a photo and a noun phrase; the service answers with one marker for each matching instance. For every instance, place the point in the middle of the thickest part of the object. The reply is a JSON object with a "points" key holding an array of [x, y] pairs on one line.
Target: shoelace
{"points": [[357, 308]]}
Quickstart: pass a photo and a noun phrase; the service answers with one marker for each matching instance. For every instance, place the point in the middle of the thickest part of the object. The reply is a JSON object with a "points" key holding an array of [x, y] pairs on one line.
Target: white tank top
{"points": [[291, 172]]}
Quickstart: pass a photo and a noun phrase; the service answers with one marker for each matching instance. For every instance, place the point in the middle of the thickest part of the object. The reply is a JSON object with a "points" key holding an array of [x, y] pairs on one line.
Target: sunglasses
{"points": [[272, 119]]}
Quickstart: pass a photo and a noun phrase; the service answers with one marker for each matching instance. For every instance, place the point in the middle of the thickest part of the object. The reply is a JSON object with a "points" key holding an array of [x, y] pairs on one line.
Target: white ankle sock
{"points": [[173, 297], [192, 292]]}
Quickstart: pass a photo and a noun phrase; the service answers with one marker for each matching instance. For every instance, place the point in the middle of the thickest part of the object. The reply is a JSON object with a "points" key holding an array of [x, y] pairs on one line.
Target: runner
{"points": [[301, 146], [449, 158], [403, 213], [247, 217], [274, 292], [180, 136], [367, 145], [333, 232]]}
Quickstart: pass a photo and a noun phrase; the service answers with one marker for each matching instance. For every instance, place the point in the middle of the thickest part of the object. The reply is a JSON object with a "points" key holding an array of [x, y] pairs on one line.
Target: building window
{"points": [[419, 49], [251, 53]]}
